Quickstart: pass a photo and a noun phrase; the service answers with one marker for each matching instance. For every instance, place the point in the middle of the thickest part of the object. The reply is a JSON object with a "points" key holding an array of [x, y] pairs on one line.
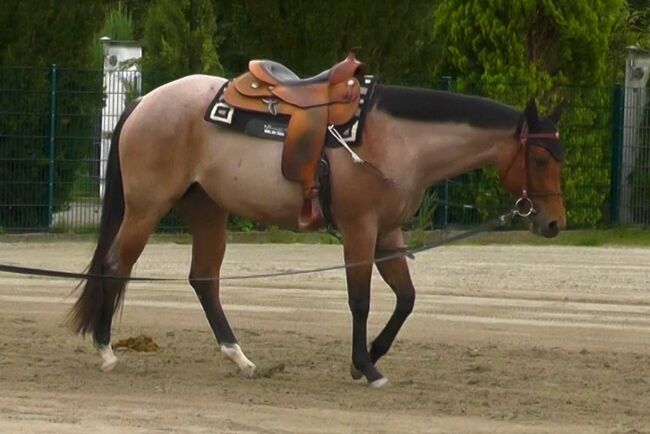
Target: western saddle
{"points": [[329, 98]]}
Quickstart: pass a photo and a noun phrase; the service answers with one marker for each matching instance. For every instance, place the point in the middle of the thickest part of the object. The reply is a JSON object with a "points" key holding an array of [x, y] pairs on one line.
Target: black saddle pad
{"points": [[274, 127]]}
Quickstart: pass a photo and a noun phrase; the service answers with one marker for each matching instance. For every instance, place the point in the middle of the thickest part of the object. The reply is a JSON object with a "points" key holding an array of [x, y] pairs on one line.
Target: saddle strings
{"points": [[341, 140], [356, 158]]}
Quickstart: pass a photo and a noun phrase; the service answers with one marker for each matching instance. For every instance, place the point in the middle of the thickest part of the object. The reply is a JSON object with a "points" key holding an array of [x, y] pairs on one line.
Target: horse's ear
{"points": [[530, 112], [557, 113]]}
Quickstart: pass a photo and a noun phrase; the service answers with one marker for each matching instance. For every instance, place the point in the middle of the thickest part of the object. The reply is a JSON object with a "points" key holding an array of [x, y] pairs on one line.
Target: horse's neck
{"points": [[421, 154]]}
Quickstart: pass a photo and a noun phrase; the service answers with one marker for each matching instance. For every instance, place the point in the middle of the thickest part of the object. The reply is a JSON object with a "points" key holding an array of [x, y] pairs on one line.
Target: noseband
{"points": [[524, 206]]}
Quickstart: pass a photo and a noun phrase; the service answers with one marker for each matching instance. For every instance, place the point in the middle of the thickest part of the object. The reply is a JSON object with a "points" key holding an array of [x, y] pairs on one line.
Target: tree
{"points": [[512, 51], [118, 25], [395, 36], [39, 33], [540, 43], [36, 34], [639, 19], [180, 38]]}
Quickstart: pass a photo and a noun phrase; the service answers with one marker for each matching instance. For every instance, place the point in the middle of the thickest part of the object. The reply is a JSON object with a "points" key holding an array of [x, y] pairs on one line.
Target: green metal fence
{"points": [[51, 124], [50, 146]]}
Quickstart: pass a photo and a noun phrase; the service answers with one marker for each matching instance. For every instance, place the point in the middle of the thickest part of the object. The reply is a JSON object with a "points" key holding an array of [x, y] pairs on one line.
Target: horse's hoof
{"points": [[109, 360], [355, 373], [248, 371], [234, 353], [379, 383], [108, 366]]}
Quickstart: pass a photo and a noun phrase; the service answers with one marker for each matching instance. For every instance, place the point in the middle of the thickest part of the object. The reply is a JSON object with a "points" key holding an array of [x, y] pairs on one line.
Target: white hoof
{"points": [[378, 384], [109, 360], [234, 353], [248, 371]]}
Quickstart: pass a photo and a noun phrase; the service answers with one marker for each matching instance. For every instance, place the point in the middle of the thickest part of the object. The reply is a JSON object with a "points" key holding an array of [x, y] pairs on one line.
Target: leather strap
{"points": [[524, 138]]}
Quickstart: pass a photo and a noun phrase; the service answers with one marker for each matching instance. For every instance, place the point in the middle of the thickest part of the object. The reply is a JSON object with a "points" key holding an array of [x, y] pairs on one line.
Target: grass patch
{"points": [[622, 236], [272, 236]]}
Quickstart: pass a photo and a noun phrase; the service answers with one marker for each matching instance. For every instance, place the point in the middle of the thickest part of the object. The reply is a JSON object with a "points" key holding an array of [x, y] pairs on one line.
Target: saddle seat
{"points": [[270, 86], [329, 98], [277, 74], [280, 74]]}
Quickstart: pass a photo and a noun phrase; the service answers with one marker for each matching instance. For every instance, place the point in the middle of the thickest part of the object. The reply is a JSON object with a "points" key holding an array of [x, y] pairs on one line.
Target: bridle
{"points": [[524, 205]]}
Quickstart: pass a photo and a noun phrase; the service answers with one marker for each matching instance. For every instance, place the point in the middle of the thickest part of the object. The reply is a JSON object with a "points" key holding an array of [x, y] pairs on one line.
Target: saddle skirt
{"points": [[270, 126]]}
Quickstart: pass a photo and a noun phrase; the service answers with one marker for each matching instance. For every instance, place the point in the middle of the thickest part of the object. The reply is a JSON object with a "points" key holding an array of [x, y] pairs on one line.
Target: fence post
{"points": [[52, 143], [617, 155], [441, 218]]}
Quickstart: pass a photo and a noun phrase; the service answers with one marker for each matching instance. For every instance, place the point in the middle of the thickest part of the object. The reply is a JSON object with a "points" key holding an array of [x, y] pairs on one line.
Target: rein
{"points": [[492, 224]]}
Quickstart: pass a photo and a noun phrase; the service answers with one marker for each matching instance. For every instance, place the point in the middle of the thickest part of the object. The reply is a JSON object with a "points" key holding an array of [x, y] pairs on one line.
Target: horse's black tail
{"points": [[96, 300]]}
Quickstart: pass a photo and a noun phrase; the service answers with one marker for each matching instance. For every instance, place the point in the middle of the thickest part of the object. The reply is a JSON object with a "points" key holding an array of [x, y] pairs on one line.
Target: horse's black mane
{"points": [[438, 106]]}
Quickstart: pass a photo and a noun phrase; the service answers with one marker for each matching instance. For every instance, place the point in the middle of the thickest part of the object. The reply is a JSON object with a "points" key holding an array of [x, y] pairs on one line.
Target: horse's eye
{"points": [[540, 163]]}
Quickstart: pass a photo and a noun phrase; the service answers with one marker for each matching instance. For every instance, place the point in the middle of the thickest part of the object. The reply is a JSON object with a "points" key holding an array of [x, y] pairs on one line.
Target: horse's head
{"points": [[533, 172]]}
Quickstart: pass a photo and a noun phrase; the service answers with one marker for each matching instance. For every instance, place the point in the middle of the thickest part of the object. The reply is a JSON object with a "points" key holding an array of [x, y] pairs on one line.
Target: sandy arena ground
{"points": [[503, 340]]}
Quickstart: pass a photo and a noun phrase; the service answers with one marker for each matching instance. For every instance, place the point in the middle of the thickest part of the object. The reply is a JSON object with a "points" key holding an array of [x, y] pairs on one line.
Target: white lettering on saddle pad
{"points": [[274, 131]]}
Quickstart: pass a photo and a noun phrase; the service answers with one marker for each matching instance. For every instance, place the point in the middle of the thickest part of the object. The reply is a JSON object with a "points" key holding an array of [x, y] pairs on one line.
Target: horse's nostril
{"points": [[552, 229]]}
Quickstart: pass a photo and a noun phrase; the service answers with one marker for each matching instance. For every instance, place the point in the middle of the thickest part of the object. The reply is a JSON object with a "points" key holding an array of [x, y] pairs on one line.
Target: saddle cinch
{"points": [[329, 98]]}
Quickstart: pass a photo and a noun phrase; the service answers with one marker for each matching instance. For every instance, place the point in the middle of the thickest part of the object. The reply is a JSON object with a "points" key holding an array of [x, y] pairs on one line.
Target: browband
{"points": [[548, 141]]}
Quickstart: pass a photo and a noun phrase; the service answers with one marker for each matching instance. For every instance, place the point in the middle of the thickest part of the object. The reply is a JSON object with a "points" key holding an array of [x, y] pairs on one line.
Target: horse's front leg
{"points": [[359, 248], [395, 273]]}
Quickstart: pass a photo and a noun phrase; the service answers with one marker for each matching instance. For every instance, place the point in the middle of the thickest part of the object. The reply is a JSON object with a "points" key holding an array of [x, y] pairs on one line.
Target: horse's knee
{"points": [[196, 285], [202, 288], [404, 304], [359, 306]]}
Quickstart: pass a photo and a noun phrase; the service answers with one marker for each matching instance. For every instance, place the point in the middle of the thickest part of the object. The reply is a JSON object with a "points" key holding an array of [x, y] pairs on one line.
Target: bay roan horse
{"points": [[164, 155]]}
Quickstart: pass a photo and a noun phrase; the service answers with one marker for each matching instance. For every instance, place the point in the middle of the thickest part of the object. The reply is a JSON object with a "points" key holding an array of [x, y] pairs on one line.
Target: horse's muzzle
{"points": [[546, 229]]}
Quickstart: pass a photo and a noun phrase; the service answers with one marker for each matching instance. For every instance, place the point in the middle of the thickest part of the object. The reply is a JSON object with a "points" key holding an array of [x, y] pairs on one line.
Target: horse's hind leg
{"points": [[121, 257], [207, 223]]}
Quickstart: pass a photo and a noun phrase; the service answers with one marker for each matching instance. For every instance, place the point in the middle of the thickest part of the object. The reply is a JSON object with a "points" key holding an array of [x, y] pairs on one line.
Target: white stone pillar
{"points": [[637, 72], [122, 82]]}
